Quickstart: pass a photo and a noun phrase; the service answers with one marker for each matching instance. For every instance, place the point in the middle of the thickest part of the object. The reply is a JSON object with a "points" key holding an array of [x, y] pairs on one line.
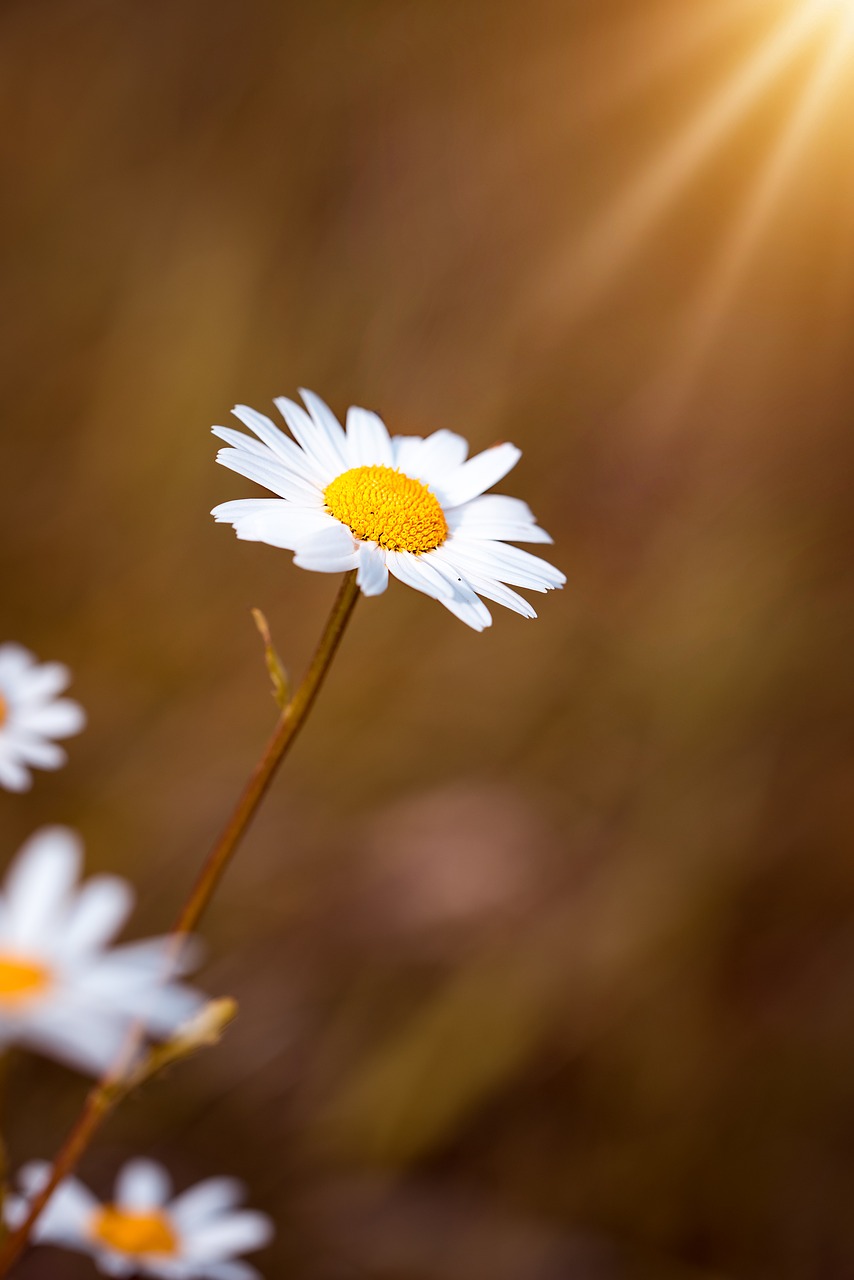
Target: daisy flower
{"points": [[31, 715], [63, 991], [143, 1230], [357, 498]]}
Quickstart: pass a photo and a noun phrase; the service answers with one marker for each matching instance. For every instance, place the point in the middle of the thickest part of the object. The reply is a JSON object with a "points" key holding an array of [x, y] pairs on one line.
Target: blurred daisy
{"points": [[31, 715], [143, 1231], [361, 499], [63, 992]]}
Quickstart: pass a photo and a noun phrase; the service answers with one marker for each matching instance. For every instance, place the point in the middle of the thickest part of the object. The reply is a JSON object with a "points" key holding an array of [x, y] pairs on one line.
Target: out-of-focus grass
{"points": [[544, 942]]}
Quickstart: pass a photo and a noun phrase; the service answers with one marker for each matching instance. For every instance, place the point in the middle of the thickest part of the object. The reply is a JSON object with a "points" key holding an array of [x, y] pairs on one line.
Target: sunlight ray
{"points": [[626, 75], [606, 248], [732, 263]]}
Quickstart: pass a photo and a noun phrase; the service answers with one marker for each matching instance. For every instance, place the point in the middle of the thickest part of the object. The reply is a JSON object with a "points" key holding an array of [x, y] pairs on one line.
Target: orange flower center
{"points": [[137, 1234], [4, 711], [21, 980], [379, 504]]}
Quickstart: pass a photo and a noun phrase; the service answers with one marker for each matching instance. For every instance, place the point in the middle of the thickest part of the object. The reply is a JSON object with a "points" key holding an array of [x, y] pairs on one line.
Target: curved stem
{"points": [[111, 1088]]}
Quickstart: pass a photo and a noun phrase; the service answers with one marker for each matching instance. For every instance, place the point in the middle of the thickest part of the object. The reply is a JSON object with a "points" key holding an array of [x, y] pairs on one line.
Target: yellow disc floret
{"points": [[379, 504], [4, 711], [21, 980], [137, 1234]]}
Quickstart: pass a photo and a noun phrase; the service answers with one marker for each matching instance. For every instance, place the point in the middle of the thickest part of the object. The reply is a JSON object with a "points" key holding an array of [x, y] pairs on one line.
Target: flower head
{"points": [[63, 991], [31, 715], [357, 498], [142, 1230]]}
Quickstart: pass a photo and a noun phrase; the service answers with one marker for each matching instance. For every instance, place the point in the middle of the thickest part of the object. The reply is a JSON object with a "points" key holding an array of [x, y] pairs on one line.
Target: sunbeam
{"points": [[731, 265], [606, 248]]}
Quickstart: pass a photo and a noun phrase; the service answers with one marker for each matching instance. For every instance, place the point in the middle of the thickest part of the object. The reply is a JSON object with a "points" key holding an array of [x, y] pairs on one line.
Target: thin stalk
{"points": [[104, 1096], [291, 721]]}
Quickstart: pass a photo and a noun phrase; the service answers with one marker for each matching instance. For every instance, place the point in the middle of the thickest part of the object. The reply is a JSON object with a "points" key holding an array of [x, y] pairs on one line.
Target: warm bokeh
{"points": [[544, 942]]}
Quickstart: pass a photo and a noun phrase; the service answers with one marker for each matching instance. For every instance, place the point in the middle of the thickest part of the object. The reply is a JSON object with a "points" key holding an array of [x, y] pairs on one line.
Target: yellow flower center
{"points": [[379, 504], [4, 710], [135, 1233], [21, 980]]}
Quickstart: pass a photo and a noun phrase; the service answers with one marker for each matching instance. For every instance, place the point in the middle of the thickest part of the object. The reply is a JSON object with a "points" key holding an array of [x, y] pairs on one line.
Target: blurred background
{"points": [[544, 940]]}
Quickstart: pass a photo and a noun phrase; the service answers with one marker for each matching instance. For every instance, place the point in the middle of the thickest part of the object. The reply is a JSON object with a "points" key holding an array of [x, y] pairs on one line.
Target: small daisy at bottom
{"points": [[144, 1230]]}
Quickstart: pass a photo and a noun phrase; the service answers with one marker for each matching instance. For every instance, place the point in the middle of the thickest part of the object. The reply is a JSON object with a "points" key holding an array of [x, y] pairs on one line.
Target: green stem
{"points": [[104, 1096]]}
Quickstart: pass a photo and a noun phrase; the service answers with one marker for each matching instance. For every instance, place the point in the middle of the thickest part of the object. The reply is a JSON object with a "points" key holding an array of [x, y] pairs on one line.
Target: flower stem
{"points": [[290, 722], [109, 1090]]}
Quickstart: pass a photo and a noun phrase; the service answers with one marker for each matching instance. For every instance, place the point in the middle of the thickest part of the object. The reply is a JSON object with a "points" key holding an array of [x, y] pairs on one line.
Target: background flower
{"points": [[31, 715], [143, 1231], [63, 990]]}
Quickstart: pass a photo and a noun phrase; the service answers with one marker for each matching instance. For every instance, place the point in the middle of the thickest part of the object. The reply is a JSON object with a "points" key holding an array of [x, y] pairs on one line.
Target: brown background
{"points": [[544, 943]]}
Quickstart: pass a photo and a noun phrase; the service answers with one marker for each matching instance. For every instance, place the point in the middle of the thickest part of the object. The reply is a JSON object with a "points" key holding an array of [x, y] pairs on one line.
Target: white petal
{"points": [[278, 449], [235, 509], [492, 589], [86, 1040], [282, 524], [242, 442], [14, 660], [312, 436], [101, 908], [368, 441], [13, 776], [500, 531], [322, 562], [463, 603], [326, 420], [55, 719], [163, 1009], [334, 537], [435, 578], [116, 1264], [66, 1215], [39, 883], [331, 544], [417, 572], [155, 956], [206, 1199], [280, 444], [499, 506], [232, 1233], [231, 1271], [478, 474], [435, 460], [373, 571], [142, 1184], [44, 682], [508, 564], [37, 752], [298, 468], [468, 613], [273, 475], [32, 1176], [407, 451], [495, 516]]}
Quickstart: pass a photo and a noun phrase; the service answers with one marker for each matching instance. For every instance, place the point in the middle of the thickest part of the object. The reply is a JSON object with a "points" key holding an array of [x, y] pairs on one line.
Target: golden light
{"points": [[839, 11], [802, 58]]}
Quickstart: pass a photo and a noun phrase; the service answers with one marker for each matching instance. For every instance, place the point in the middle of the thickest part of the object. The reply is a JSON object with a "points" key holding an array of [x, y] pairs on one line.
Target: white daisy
{"points": [[142, 1230], [63, 991], [361, 499], [31, 714]]}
